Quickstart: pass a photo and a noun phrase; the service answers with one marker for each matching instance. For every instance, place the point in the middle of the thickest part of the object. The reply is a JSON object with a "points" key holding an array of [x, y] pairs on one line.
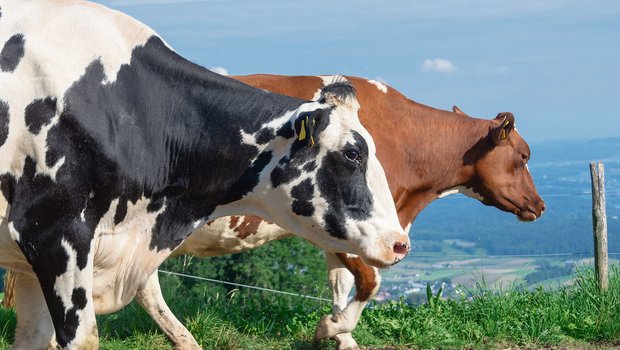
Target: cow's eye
{"points": [[352, 155]]}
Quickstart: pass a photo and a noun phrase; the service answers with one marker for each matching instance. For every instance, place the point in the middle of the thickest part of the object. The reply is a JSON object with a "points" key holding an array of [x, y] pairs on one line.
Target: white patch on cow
{"points": [[82, 217], [13, 232], [249, 139], [382, 87], [469, 192], [408, 227], [65, 282], [219, 70], [317, 94], [448, 192], [123, 259]]}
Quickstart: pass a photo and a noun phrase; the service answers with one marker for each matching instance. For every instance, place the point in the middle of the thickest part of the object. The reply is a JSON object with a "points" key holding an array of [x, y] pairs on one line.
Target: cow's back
{"points": [[43, 54]]}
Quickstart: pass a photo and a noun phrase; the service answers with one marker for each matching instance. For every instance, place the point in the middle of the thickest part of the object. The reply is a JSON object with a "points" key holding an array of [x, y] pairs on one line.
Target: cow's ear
{"points": [[310, 124], [501, 131], [457, 110]]}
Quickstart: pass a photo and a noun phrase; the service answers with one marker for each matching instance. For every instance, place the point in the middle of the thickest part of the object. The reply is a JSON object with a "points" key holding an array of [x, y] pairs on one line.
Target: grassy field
{"points": [[575, 316]]}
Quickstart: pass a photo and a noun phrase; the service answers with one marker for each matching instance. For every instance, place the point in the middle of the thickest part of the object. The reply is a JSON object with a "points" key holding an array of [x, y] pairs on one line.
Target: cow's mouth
{"points": [[526, 215]]}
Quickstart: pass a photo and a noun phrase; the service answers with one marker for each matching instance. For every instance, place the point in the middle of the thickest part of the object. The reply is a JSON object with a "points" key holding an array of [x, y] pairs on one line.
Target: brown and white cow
{"points": [[427, 154]]}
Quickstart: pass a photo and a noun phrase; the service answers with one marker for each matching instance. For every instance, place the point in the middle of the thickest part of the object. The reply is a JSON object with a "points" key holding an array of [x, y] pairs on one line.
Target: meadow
{"points": [[575, 316]]}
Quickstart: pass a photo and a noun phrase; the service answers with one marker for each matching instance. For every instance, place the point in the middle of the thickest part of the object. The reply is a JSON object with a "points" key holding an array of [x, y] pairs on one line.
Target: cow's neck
{"points": [[439, 146]]}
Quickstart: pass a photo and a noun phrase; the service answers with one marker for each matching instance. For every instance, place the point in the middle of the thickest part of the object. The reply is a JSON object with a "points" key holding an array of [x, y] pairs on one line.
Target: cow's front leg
{"points": [[367, 280], [152, 301], [62, 260], [341, 282]]}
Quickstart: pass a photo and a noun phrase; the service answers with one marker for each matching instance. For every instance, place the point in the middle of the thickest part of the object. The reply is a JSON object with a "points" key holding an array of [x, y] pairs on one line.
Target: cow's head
{"points": [[501, 176], [325, 183]]}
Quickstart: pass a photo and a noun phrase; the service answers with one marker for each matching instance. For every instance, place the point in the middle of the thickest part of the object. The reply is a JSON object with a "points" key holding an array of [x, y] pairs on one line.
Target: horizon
{"points": [[552, 64]]}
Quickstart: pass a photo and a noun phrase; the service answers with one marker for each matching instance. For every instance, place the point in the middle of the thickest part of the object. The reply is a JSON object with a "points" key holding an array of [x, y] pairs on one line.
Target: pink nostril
{"points": [[401, 249]]}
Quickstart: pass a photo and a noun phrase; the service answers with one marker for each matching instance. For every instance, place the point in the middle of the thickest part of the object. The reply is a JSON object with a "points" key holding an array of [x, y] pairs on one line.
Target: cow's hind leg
{"points": [[151, 300], [35, 329]]}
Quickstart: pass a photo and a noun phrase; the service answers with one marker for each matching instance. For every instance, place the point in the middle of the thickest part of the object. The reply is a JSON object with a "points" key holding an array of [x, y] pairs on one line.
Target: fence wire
{"points": [[244, 285], [414, 256]]}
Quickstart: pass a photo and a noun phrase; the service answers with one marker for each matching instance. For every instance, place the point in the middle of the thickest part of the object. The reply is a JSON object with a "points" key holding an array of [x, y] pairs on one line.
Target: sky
{"points": [[555, 64]]}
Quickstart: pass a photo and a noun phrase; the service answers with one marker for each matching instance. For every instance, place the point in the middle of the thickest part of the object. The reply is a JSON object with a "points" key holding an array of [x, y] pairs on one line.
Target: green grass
{"points": [[574, 317]]}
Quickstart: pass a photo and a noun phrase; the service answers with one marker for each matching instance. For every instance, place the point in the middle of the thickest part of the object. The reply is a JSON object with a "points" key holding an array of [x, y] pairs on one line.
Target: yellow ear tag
{"points": [[503, 134], [302, 131]]}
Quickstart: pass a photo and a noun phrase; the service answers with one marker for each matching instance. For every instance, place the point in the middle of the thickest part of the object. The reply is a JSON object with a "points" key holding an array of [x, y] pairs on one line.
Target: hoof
{"points": [[326, 327], [345, 341]]}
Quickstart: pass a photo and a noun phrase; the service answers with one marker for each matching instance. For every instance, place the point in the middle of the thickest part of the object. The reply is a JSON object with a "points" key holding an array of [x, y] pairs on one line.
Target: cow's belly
{"points": [[123, 261], [120, 270], [231, 234]]}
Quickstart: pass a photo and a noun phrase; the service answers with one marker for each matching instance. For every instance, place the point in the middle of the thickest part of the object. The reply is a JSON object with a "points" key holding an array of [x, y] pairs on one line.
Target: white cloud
{"points": [[219, 70], [438, 65]]}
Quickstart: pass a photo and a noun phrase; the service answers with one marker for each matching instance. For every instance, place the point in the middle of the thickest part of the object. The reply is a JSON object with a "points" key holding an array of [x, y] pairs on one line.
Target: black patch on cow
{"points": [[265, 135], [343, 185], [284, 173], [12, 53], [286, 131], [302, 194], [249, 179], [78, 298], [39, 113], [309, 167], [121, 210], [156, 203], [7, 185], [4, 122]]}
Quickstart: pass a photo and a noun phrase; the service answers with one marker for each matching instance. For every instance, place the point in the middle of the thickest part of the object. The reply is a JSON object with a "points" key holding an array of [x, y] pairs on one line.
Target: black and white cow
{"points": [[113, 148]]}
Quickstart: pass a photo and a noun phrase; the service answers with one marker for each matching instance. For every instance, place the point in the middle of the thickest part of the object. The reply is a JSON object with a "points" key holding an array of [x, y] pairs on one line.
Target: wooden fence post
{"points": [[599, 221]]}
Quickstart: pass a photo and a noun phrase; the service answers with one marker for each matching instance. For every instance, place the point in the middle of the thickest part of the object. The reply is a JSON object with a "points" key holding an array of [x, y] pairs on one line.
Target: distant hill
{"points": [[561, 172]]}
